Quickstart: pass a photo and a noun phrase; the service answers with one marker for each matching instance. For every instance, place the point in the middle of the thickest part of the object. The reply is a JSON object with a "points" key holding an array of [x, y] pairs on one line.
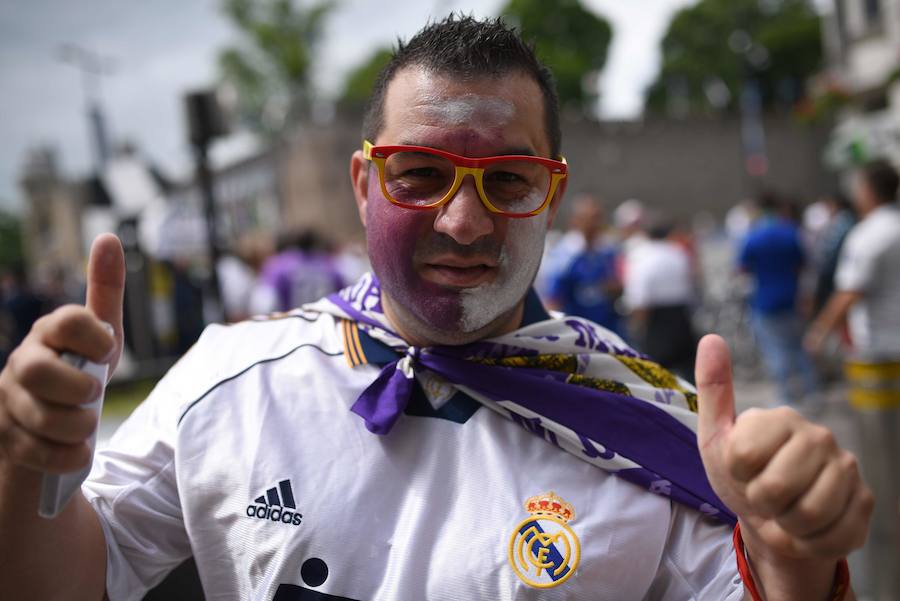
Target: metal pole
{"points": [[205, 183], [92, 66]]}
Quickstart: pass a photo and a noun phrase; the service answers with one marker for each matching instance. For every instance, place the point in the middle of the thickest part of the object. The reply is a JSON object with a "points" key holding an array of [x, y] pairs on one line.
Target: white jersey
{"points": [[870, 264], [247, 457]]}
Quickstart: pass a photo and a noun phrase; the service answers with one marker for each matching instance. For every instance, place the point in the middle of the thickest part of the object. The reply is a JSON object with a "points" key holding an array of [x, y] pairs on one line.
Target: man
{"points": [[772, 254], [867, 283], [246, 456], [301, 271], [659, 291], [588, 286]]}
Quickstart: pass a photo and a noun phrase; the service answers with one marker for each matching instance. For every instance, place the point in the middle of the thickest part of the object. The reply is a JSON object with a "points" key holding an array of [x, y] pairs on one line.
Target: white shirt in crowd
{"points": [[870, 264], [658, 275]]}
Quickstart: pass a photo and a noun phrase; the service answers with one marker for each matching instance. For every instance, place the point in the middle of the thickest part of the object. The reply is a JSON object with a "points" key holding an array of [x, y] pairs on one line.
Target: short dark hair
{"points": [[769, 201], [465, 47], [882, 180]]}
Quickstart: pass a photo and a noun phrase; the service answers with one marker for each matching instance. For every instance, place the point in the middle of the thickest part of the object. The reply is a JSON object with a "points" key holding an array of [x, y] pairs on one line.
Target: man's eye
{"points": [[507, 177], [421, 172]]}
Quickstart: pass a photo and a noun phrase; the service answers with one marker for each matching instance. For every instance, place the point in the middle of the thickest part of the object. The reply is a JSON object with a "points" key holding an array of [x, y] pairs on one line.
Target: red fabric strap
{"points": [[838, 589]]}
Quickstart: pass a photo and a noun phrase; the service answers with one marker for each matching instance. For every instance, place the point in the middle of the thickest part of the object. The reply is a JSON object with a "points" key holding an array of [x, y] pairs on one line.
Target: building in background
{"points": [[51, 224], [862, 43]]}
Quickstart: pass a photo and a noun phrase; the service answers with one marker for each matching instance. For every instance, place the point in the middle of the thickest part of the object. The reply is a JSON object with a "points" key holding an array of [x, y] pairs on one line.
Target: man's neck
{"points": [[875, 208]]}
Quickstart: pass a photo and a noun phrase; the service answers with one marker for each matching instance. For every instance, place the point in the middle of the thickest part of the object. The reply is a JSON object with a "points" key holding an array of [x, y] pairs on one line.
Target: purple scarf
{"points": [[571, 382]]}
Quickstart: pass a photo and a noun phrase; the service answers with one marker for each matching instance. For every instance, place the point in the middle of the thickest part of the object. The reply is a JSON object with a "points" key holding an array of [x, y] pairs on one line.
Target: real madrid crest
{"points": [[543, 549]]}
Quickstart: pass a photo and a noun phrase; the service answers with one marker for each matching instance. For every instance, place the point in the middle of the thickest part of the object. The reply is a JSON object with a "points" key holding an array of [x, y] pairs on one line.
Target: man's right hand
{"points": [[42, 426]]}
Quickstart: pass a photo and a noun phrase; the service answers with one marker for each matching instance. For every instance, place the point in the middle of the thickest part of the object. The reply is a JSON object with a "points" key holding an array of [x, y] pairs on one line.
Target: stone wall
{"points": [[684, 167]]}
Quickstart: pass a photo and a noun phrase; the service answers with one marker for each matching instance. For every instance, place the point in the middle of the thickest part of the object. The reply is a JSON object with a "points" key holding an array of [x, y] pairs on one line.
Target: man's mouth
{"points": [[458, 274]]}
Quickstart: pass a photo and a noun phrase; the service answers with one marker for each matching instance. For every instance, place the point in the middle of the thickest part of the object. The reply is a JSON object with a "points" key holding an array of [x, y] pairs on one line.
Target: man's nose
{"points": [[464, 218]]}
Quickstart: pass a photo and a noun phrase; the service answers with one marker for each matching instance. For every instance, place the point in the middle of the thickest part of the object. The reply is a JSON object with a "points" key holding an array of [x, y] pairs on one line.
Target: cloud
{"points": [[162, 49]]}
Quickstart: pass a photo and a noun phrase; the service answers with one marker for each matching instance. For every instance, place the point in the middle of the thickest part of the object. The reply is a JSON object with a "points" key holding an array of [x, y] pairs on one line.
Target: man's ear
{"points": [[359, 178], [556, 201]]}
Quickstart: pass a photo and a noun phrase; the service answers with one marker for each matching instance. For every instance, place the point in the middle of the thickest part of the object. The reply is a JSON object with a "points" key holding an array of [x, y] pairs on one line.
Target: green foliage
{"points": [[271, 66], [569, 39], [360, 81], [11, 243], [703, 50]]}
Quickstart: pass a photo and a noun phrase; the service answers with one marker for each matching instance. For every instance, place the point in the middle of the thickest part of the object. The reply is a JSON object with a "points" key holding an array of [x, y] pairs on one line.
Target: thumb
{"points": [[106, 284], [715, 394]]}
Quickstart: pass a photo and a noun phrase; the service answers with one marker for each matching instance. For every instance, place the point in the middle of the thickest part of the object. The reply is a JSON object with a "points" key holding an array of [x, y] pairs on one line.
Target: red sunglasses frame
{"points": [[466, 166]]}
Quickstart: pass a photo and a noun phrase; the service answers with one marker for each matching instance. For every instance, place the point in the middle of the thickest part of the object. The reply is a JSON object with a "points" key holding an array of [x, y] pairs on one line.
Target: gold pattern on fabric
{"points": [[658, 377], [599, 384], [551, 361]]}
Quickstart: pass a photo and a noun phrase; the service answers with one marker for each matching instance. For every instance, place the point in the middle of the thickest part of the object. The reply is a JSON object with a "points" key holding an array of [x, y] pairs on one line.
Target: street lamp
{"points": [[205, 123], [92, 66]]}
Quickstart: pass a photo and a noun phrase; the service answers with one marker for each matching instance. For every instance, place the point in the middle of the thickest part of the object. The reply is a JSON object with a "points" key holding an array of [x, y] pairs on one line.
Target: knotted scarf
{"points": [[565, 379]]}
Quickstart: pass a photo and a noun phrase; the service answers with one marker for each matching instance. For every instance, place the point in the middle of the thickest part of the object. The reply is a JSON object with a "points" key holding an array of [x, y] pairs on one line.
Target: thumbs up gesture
{"points": [[42, 426], [797, 494]]}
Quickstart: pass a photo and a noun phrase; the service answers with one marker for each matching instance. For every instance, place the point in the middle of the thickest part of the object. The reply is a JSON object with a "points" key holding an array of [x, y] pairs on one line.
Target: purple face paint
{"points": [[449, 274], [393, 237]]}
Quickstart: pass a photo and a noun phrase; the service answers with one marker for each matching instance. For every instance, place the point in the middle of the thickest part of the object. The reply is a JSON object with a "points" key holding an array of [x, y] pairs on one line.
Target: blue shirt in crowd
{"points": [[773, 255], [581, 288]]}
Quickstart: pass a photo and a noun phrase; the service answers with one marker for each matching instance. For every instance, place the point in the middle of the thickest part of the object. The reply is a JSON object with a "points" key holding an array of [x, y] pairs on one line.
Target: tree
{"points": [[570, 39], [270, 68], [359, 82], [712, 48], [11, 245]]}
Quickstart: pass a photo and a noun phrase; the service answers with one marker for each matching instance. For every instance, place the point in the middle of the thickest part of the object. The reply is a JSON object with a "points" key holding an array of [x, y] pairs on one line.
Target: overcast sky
{"points": [[162, 48]]}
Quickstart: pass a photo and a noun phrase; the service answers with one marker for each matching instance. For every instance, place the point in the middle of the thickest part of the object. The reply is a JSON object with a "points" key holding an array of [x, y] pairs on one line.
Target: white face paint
{"points": [[518, 264], [469, 108]]}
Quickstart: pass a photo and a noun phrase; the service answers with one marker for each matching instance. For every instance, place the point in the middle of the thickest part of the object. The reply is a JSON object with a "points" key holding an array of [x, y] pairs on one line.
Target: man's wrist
{"points": [[771, 576]]}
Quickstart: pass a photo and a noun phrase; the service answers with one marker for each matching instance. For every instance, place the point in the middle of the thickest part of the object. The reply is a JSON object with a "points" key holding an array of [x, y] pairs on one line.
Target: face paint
{"points": [[448, 276], [520, 258], [469, 108], [399, 240]]}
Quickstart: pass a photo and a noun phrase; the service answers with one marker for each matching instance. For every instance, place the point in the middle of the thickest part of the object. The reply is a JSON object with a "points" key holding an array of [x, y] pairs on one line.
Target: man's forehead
{"points": [[420, 102]]}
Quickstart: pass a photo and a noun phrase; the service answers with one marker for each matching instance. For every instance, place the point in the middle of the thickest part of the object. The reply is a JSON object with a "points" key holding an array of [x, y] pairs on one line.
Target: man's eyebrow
{"points": [[509, 151]]}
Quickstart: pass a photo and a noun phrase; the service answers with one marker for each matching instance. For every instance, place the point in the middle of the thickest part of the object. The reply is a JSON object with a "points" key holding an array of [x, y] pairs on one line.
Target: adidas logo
{"points": [[276, 505]]}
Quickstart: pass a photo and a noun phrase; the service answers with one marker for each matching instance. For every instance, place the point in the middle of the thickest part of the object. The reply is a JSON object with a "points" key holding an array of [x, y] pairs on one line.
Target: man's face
{"points": [[863, 199], [456, 273]]}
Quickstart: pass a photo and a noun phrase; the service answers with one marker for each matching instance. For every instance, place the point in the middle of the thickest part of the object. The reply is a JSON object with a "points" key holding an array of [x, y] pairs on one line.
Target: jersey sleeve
{"points": [[698, 562], [857, 264], [132, 487]]}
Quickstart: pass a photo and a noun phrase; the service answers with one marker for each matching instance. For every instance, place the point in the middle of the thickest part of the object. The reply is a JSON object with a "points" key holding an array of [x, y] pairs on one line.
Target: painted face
{"points": [[457, 273]]}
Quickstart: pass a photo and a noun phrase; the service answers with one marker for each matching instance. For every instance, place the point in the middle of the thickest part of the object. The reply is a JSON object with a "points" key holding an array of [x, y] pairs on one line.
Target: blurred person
{"points": [[628, 218], [430, 432], [21, 305], [772, 255], [659, 291], [187, 298], [628, 225], [588, 285], [302, 270], [867, 294], [559, 250], [839, 219], [351, 261], [738, 221], [238, 275]]}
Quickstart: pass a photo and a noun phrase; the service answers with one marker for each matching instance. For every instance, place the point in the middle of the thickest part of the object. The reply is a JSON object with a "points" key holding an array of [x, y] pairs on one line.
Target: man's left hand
{"points": [[797, 494]]}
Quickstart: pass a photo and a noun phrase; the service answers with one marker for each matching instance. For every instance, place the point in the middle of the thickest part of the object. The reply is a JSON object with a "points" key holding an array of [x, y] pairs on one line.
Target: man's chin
{"points": [[428, 320]]}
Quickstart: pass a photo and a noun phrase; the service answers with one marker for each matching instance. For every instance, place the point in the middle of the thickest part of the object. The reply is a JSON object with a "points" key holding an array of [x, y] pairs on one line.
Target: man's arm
{"points": [[44, 429], [62, 558], [829, 318], [799, 497]]}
